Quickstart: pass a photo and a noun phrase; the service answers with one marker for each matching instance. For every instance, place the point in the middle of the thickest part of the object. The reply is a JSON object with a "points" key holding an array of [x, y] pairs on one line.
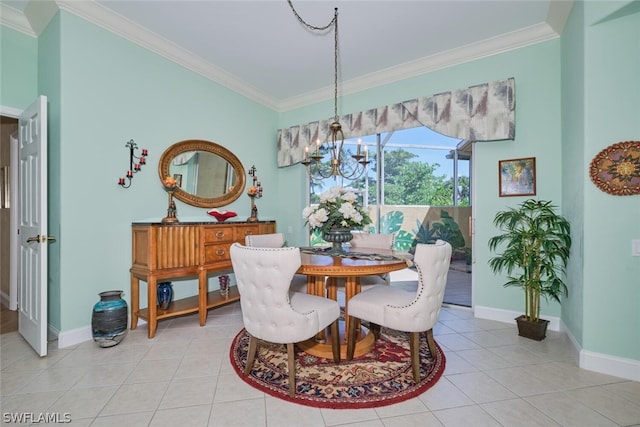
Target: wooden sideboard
{"points": [[185, 249]]}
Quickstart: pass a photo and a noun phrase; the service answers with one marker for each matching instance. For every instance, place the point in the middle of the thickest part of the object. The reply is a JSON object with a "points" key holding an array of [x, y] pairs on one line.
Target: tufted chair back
{"points": [[367, 242], [263, 276], [270, 312], [372, 241], [406, 311], [432, 263], [274, 240]]}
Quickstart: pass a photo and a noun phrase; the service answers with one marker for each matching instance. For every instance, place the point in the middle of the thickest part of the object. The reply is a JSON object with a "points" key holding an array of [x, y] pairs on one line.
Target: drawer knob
{"points": [[220, 252], [219, 234]]}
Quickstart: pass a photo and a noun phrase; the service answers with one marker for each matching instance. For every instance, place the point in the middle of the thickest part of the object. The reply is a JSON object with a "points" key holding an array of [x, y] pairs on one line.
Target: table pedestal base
{"points": [[365, 341]]}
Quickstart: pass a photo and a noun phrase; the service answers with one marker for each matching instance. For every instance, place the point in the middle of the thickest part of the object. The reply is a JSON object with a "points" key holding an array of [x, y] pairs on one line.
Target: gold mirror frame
{"points": [[209, 147]]}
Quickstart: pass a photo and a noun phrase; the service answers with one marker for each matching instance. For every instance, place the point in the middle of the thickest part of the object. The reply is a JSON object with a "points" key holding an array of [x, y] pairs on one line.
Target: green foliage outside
{"points": [[412, 183], [409, 182]]}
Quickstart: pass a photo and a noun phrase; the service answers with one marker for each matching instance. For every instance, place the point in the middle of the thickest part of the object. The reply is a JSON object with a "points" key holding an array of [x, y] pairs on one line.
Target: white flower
{"points": [[350, 196], [347, 210], [338, 207], [318, 218], [307, 211]]}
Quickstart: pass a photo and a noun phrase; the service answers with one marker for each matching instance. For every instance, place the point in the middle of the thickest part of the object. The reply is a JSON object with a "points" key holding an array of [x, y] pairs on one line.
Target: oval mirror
{"points": [[208, 174]]}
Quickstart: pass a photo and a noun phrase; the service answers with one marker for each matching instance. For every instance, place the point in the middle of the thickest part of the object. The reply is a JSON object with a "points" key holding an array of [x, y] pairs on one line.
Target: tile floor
{"points": [[183, 377]]}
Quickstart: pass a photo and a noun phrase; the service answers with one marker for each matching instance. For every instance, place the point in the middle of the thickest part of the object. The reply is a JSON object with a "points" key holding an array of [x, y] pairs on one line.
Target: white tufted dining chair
{"points": [[276, 240], [273, 240], [406, 311], [371, 242], [364, 242], [270, 312]]}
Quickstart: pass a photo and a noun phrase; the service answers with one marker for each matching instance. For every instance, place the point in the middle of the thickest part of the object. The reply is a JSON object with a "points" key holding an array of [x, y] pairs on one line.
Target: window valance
{"points": [[484, 112]]}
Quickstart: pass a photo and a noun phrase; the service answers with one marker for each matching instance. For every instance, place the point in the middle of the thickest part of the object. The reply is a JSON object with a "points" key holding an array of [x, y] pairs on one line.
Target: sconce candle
{"points": [[254, 192], [170, 185], [133, 167]]}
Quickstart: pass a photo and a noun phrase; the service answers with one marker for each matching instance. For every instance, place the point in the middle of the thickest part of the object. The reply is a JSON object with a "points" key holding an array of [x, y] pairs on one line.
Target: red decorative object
{"points": [[616, 169], [221, 216]]}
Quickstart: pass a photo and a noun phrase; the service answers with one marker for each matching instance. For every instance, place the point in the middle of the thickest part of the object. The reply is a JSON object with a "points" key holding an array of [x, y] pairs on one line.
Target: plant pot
{"points": [[532, 330], [337, 237]]}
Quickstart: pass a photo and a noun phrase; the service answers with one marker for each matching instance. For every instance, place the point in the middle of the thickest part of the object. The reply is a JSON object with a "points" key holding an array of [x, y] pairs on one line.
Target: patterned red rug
{"points": [[379, 378]]}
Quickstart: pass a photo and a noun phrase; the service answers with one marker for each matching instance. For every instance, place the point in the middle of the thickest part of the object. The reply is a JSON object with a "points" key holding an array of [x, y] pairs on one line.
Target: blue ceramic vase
{"points": [[165, 295], [109, 319]]}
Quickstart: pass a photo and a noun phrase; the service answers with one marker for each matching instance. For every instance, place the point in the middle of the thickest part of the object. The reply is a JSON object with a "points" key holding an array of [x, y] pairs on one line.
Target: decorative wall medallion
{"points": [[616, 169]]}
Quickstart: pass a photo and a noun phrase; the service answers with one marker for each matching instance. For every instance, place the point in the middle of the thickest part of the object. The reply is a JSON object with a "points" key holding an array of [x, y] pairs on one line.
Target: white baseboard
{"points": [[74, 337], [77, 336], [597, 362], [509, 316], [610, 365]]}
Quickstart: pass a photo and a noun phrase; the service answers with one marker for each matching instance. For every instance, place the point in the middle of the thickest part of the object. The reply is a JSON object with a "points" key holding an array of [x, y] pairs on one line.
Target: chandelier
{"points": [[341, 165]]}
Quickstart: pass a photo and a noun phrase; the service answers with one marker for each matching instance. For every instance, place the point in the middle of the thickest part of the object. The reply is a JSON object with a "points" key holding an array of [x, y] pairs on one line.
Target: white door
{"points": [[32, 225]]}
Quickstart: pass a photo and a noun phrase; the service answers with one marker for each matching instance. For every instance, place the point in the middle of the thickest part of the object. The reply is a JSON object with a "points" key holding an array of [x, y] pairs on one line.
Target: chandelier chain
{"points": [[313, 27], [339, 165], [334, 23]]}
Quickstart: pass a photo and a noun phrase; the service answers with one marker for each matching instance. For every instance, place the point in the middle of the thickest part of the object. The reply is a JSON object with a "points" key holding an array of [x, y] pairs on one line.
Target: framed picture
{"points": [[178, 178], [517, 177]]}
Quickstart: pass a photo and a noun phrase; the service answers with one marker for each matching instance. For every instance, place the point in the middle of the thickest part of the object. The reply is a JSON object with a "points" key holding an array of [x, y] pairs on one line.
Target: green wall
{"points": [[111, 91], [104, 90], [18, 69], [536, 70], [611, 113], [49, 84], [573, 180]]}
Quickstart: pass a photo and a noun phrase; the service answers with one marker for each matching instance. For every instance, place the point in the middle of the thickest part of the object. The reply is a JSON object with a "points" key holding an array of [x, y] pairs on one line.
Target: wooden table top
{"points": [[341, 266]]}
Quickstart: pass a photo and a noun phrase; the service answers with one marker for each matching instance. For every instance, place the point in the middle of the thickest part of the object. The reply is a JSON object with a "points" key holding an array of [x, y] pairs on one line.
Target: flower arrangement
{"points": [[170, 183], [338, 208], [252, 191]]}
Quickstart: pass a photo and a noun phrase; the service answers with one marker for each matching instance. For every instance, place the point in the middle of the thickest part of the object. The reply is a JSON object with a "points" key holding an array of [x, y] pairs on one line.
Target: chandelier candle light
{"points": [[254, 192], [133, 167], [341, 165]]}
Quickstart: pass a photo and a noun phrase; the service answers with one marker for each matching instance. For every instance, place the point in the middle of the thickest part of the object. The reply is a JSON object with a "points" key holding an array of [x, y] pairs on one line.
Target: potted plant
{"points": [[537, 241]]}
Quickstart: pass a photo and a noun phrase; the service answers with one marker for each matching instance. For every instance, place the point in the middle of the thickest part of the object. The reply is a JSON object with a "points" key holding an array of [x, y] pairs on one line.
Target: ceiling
{"points": [[259, 49]]}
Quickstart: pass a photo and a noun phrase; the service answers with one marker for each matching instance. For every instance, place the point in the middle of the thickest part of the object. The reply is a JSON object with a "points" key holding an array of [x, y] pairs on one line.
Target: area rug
{"points": [[379, 378]]}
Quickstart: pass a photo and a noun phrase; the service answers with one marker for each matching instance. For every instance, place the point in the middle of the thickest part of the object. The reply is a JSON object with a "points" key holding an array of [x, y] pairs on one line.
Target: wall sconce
{"points": [[133, 167]]}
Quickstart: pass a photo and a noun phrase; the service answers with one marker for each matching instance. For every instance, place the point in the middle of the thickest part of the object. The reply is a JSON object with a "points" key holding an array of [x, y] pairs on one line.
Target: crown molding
{"points": [[16, 20], [39, 13], [129, 30], [471, 52]]}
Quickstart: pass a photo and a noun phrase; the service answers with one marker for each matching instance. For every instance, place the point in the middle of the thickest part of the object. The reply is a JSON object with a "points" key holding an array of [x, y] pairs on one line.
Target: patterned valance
{"points": [[484, 112]]}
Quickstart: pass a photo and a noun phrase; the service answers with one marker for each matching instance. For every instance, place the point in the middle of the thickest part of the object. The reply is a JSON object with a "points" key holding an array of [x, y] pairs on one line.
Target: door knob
{"points": [[41, 239]]}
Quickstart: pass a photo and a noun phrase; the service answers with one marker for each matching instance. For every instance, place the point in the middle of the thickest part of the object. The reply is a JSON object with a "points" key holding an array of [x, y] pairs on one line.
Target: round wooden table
{"points": [[321, 266]]}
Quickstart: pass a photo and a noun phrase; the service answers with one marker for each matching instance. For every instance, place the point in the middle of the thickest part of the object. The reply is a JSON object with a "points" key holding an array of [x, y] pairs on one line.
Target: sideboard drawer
{"points": [[216, 253], [218, 234], [245, 230]]}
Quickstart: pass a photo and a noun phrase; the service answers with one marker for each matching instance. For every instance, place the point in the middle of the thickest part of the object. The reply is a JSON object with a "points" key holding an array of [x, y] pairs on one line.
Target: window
{"points": [[417, 187], [410, 167]]}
